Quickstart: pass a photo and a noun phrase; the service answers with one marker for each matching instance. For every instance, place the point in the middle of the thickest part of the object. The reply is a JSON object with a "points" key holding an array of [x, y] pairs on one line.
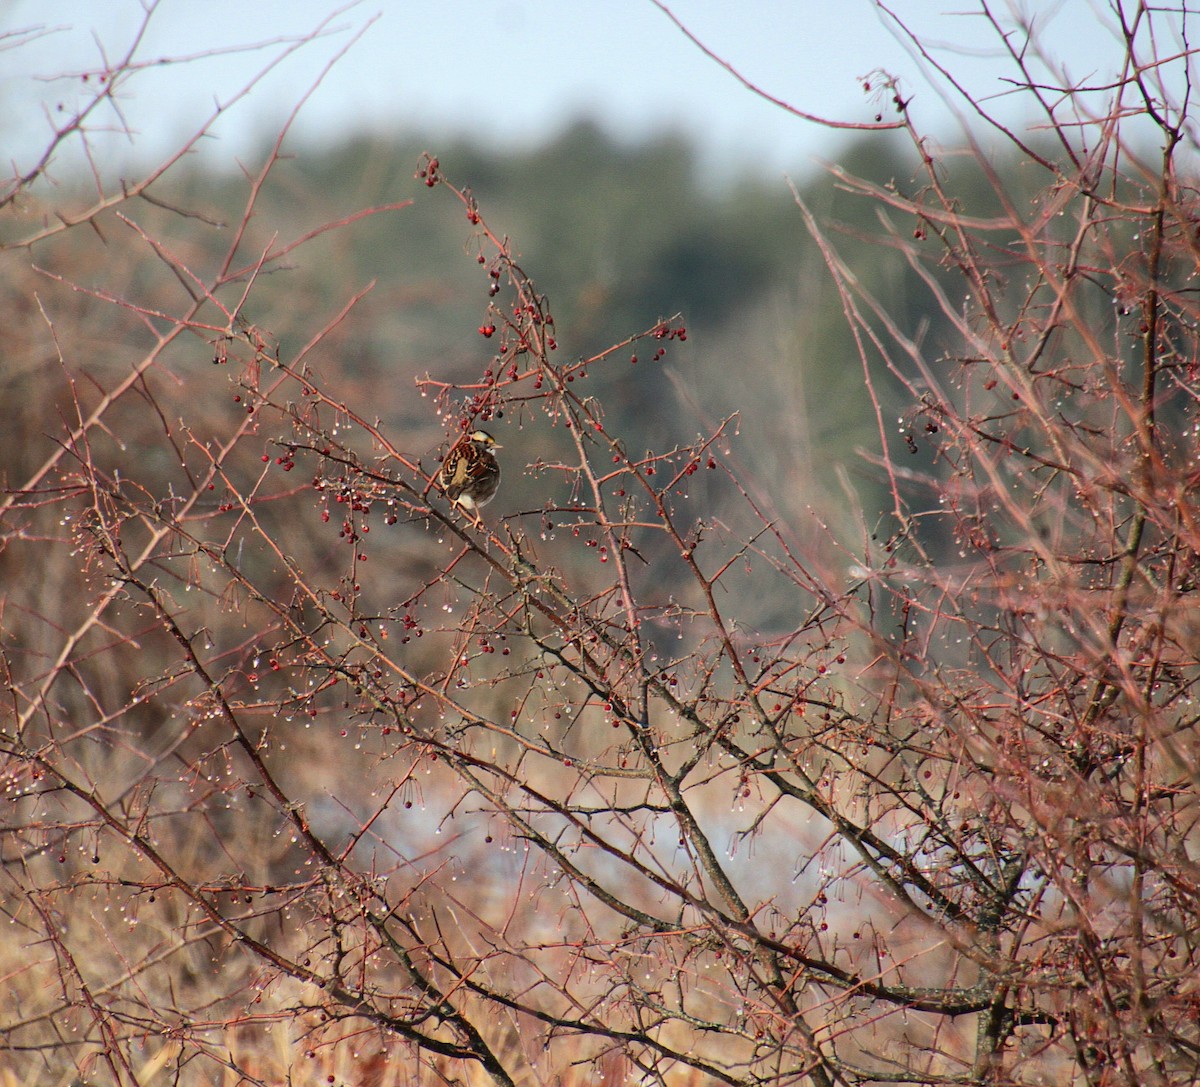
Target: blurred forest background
{"points": [[618, 235]]}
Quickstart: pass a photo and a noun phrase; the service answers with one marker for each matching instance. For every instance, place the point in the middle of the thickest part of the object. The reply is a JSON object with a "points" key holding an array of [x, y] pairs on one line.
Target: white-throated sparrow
{"points": [[470, 473]]}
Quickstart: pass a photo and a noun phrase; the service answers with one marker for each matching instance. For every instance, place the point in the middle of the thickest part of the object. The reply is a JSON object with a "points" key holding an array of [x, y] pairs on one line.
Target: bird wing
{"points": [[459, 469]]}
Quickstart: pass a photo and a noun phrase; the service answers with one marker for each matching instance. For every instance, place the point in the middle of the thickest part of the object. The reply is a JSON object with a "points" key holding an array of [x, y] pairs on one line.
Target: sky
{"points": [[510, 72]]}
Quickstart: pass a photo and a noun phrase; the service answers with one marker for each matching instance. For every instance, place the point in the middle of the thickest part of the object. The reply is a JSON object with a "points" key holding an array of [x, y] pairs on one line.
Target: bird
{"points": [[470, 474]]}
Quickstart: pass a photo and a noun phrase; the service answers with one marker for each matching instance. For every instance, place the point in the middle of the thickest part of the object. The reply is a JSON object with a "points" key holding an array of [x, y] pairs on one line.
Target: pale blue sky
{"points": [[513, 71]]}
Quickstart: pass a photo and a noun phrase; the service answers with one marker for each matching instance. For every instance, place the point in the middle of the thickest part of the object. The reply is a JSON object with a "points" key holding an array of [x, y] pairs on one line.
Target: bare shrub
{"points": [[310, 777]]}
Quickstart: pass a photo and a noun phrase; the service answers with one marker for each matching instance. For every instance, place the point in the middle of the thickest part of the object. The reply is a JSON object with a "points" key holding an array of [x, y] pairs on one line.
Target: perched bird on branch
{"points": [[470, 474]]}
